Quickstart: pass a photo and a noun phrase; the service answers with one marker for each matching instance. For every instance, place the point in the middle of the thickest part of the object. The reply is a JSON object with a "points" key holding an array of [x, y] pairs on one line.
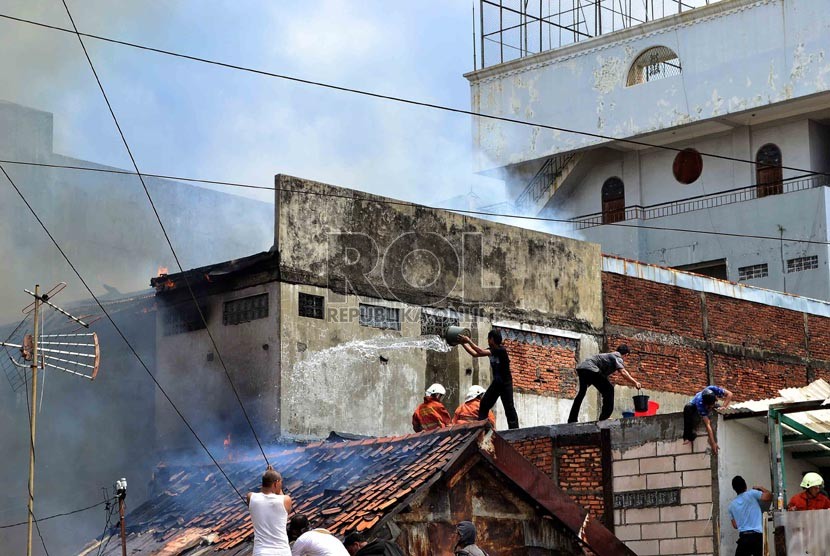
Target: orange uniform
{"points": [[430, 415], [468, 411], [801, 502]]}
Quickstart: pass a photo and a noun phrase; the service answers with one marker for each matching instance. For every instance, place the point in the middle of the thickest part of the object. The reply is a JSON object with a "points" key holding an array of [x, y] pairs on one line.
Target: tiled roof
{"points": [[339, 485]]}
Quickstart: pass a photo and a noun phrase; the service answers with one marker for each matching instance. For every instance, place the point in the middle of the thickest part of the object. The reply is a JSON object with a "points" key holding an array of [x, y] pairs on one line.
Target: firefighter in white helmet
{"points": [[431, 414], [468, 411], [811, 498]]}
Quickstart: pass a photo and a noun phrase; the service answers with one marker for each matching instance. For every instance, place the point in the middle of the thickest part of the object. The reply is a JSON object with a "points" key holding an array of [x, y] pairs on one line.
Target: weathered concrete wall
{"points": [[190, 370], [376, 247], [728, 68]]}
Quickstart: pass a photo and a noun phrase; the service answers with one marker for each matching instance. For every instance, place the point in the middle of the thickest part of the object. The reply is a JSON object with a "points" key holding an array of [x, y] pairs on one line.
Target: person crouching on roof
{"points": [[431, 414], [468, 411], [699, 408], [811, 497]]}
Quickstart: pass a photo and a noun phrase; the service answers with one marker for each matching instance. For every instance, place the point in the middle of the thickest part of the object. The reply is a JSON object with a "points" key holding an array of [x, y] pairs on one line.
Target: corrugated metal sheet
{"points": [[697, 282]]}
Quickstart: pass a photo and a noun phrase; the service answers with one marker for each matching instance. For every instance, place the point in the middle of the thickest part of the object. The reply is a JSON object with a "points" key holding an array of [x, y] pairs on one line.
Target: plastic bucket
{"points": [[452, 333], [640, 402]]}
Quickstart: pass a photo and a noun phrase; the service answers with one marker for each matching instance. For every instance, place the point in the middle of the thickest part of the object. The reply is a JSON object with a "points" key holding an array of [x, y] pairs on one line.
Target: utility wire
{"points": [[408, 204], [47, 518], [118, 329], [164, 231], [378, 95]]}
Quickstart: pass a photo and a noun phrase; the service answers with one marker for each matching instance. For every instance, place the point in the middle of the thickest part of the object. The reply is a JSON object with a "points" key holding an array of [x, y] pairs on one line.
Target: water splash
{"points": [[380, 378]]}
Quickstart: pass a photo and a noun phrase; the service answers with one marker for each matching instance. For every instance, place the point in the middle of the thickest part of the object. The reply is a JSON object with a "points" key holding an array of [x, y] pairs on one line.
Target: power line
{"points": [[164, 230], [371, 94], [118, 329], [406, 203]]}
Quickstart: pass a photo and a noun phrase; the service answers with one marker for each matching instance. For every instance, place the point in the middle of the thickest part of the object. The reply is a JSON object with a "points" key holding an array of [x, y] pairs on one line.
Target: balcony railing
{"points": [[701, 202]]}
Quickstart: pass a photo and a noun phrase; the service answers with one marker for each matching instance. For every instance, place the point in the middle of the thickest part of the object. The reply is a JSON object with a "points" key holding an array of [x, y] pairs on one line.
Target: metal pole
{"points": [[481, 29], [501, 33], [475, 67], [123, 528], [33, 424]]}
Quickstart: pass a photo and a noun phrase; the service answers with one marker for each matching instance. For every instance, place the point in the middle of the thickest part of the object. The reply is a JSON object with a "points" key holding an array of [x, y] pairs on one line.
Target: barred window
{"points": [[245, 309], [434, 323], [802, 263], [655, 63], [753, 271], [376, 316], [311, 306], [183, 318]]}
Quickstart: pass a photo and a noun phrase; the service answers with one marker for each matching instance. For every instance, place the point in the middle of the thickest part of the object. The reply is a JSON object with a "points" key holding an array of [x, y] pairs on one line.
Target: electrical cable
{"points": [[164, 231], [371, 94], [119, 331], [53, 516], [408, 204]]}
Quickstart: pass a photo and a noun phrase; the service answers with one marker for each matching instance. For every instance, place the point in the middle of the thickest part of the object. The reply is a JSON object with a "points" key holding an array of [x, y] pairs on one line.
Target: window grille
{"points": [[434, 324], [653, 64], [753, 271], [802, 263], [311, 306], [376, 316], [245, 309], [182, 318]]}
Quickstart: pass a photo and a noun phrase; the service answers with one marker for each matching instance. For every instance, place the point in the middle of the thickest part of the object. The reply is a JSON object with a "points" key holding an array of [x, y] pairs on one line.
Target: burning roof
{"points": [[343, 486]]}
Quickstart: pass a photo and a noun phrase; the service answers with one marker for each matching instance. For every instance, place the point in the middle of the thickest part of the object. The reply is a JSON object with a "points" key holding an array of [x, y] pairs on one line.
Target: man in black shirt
{"points": [[502, 383], [595, 371]]}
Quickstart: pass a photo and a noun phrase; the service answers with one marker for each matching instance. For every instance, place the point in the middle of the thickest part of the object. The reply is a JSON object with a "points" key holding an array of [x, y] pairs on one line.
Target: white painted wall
{"points": [[743, 452]]}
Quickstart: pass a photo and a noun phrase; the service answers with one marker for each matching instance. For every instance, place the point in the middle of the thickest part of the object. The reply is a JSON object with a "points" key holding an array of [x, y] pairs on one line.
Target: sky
{"points": [[191, 119]]}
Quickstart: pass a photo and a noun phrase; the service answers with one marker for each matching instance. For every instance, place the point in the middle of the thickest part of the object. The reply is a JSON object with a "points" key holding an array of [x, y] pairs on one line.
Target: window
{"points": [[311, 306], [802, 263], [687, 166], [714, 268], [753, 271], [769, 179], [183, 318], [376, 316], [613, 201], [655, 63], [434, 323], [245, 309]]}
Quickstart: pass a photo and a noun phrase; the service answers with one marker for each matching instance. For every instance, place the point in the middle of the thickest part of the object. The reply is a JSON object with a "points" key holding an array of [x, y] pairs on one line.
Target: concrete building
{"points": [[698, 81], [103, 220]]}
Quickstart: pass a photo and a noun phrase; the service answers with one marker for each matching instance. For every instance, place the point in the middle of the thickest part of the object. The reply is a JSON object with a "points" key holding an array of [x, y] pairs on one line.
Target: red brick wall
{"points": [[580, 475], [554, 357], [756, 349], [539, 451]]}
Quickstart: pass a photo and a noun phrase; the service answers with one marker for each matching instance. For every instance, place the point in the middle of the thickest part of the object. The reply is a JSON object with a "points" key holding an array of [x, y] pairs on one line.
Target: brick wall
{"points": [[684, 528], [542, 363], [683, 339], [539, 451], [579, 470]]}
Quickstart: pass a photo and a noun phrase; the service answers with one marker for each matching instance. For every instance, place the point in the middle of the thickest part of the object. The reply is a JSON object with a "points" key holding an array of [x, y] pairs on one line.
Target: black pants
{"points": [[504, 390], [600, 382], [750, 544], [691, 418]]}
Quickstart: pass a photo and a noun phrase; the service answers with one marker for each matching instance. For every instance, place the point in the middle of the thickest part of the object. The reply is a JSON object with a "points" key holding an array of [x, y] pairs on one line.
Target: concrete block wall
{"points": [[686, 528]]}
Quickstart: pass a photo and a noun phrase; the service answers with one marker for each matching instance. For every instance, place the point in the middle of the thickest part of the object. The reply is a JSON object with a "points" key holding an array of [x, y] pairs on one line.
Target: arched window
{"points": [[769, 179], [655, 63], [613, 201]]}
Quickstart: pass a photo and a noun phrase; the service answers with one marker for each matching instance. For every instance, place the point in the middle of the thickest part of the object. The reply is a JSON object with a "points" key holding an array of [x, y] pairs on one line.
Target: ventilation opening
{"points": [[653, 64]]}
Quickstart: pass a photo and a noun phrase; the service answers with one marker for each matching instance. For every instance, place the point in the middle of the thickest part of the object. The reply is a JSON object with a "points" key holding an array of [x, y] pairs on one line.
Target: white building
{"points": [[746, 80]]}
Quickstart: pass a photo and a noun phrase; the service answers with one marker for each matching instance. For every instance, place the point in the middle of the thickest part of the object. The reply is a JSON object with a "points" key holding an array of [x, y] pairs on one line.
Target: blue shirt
{"points": [[697, 400], [745, 509]]}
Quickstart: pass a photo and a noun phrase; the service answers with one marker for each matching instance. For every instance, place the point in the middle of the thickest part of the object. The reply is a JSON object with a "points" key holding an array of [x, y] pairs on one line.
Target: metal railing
{"points": [[703, 202], [543, 181]]}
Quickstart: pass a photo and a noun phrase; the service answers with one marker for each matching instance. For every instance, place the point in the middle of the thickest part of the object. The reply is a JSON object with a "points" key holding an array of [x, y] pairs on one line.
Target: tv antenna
{"points": [[75, 353]]}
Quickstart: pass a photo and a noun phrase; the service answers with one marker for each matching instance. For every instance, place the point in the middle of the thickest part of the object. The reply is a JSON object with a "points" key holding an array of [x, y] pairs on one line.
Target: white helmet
{"points": [[436, 389], [811, 480], [474, 392]]}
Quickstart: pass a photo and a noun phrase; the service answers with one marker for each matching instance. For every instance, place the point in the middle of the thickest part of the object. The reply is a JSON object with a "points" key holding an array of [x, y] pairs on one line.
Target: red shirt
{"points": [[801, 502], [468, 411], [430, 415]]}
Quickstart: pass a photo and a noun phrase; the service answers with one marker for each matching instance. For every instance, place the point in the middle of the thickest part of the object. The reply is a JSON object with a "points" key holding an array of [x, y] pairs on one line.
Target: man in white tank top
{"points": [[269, 513]]}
